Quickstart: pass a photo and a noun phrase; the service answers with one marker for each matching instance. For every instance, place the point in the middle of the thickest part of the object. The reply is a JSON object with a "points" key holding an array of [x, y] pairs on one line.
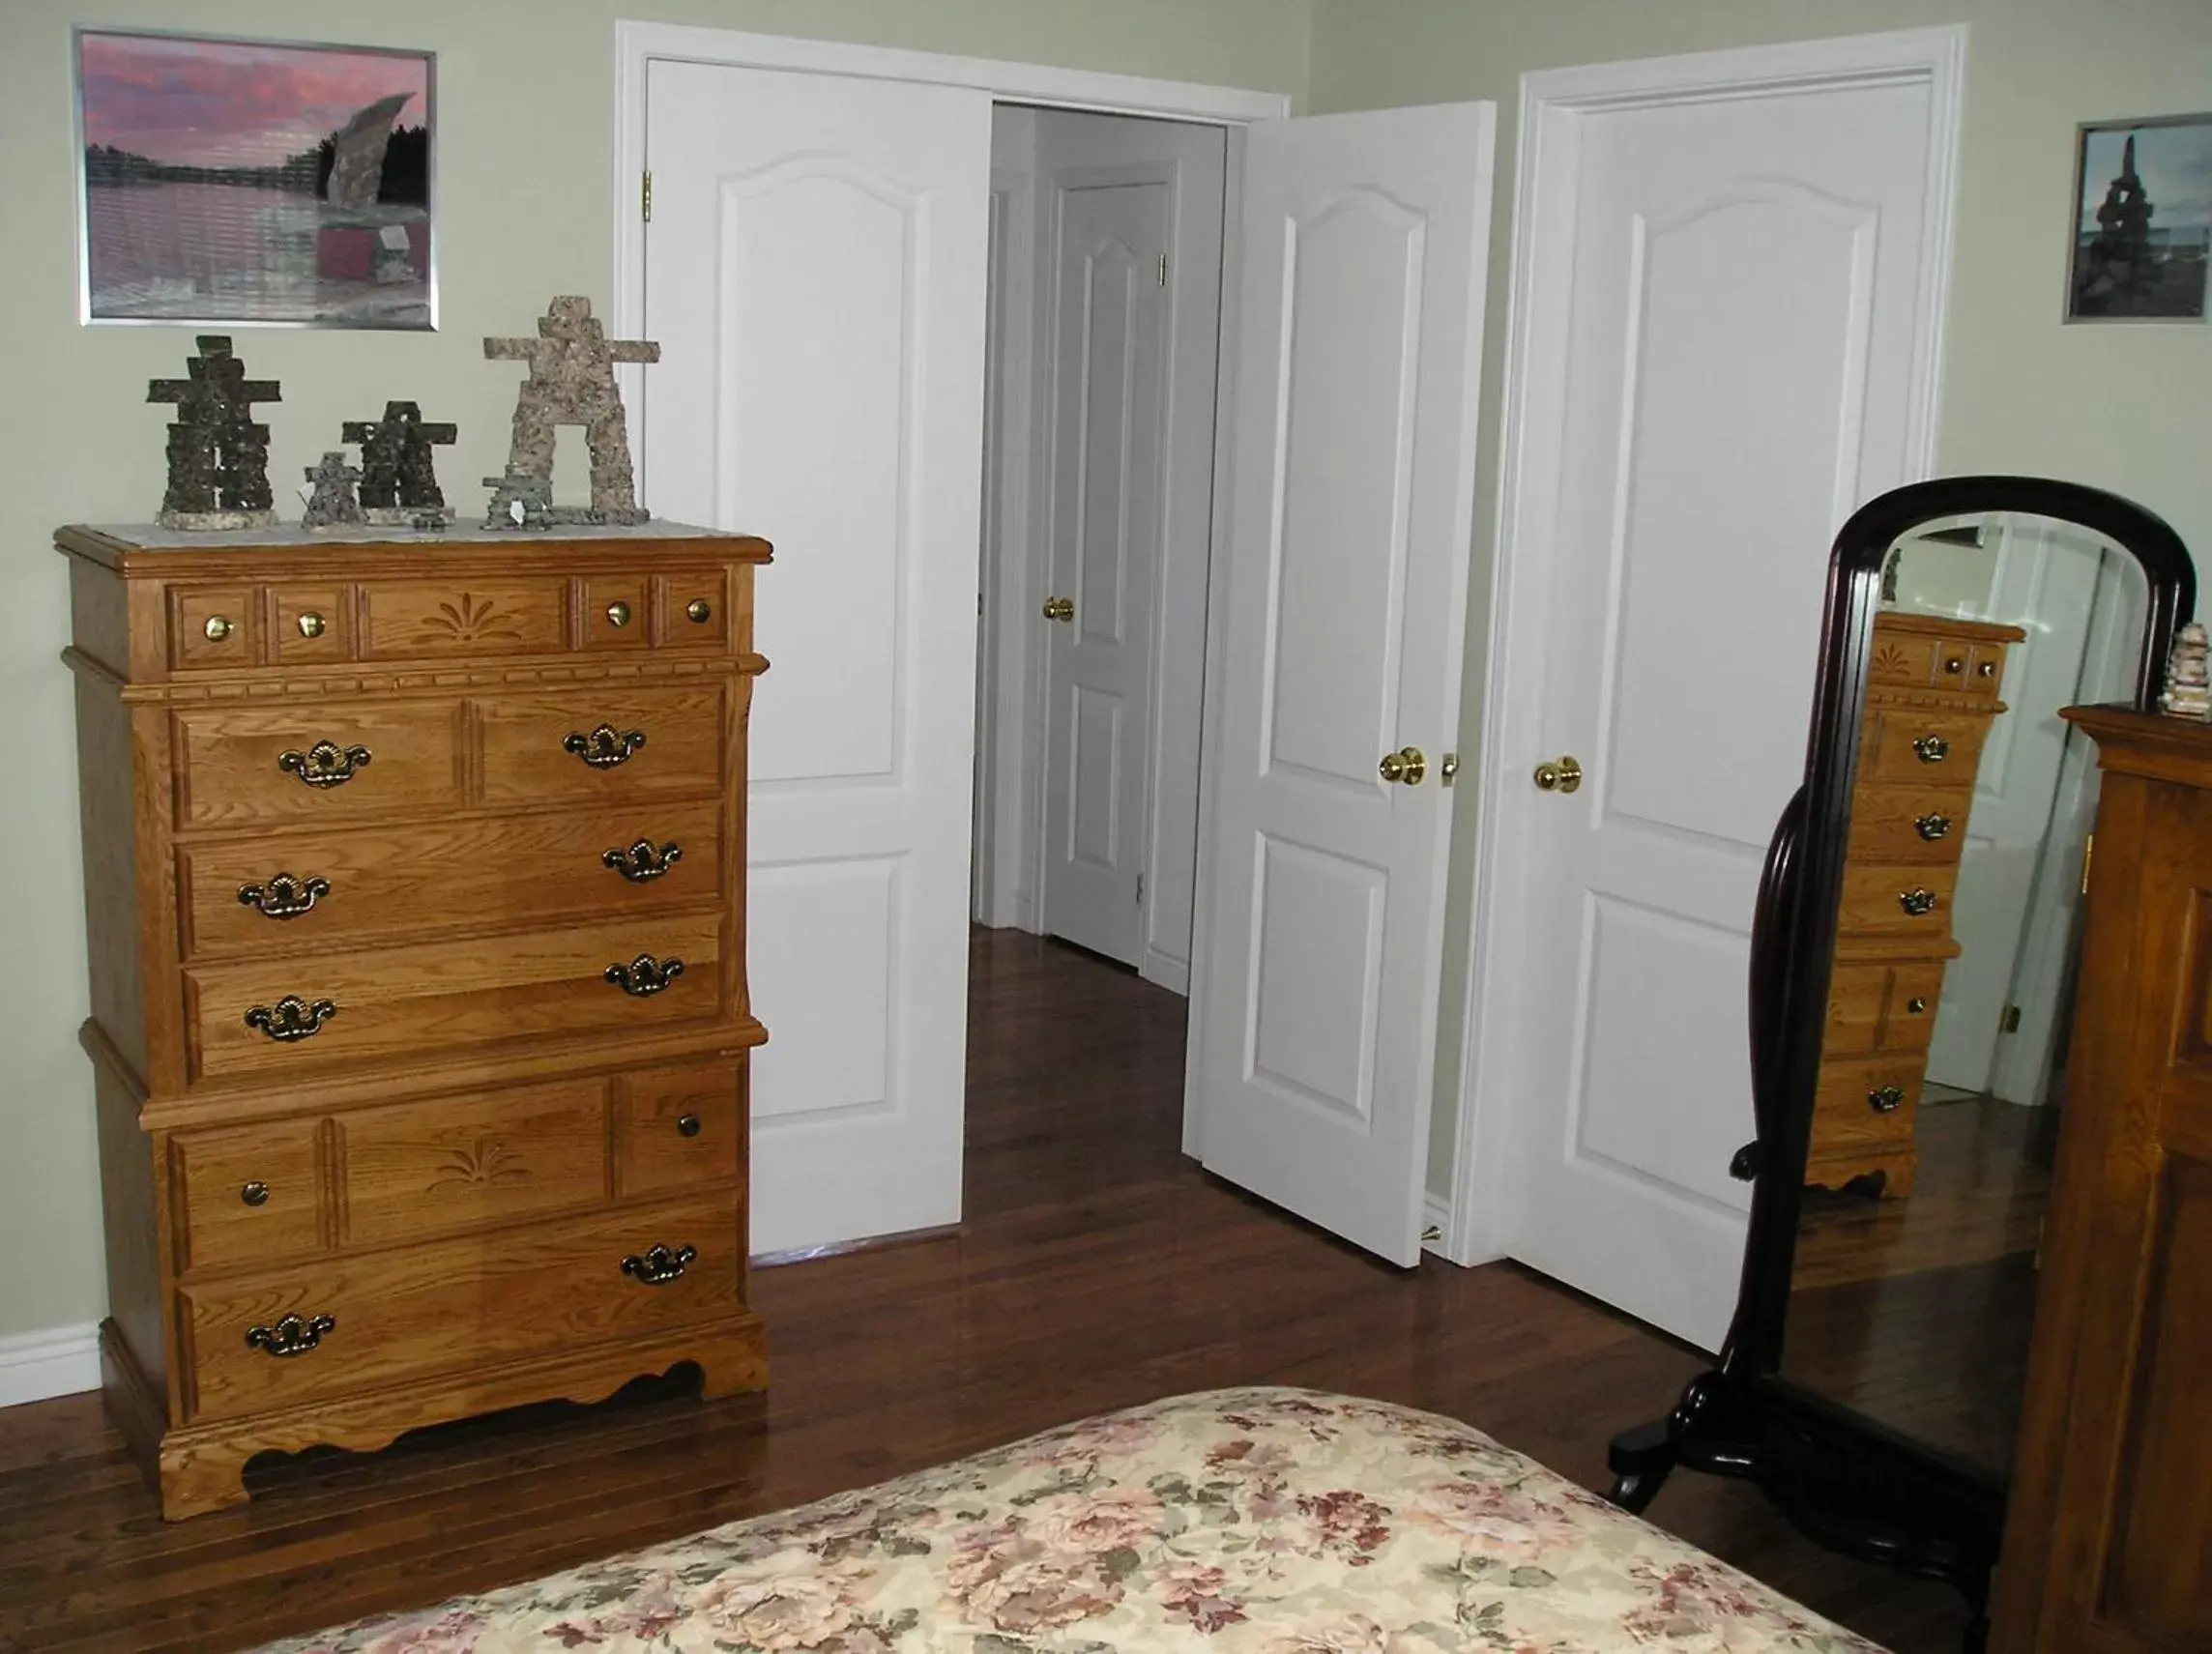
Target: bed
{"points": [[1242, 1521]]}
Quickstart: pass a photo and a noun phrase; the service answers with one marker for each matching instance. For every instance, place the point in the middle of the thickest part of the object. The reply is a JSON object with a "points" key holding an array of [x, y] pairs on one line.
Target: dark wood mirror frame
{"points": [[1846, 1480]]}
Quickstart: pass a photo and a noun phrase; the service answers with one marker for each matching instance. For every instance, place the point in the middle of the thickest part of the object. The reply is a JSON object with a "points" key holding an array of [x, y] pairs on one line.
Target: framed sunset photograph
{"points": [[254, 183]]}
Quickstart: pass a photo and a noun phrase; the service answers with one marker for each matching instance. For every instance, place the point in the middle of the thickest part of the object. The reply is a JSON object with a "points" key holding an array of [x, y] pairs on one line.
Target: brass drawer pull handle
{"points": [[254, 1194], [1932, 826], [618, 614], [1932, 748], [293, 1018], [1986, 669], [641, 864], [1955, 664], [660, 1265], [644, 976], [311, 625], [687, 1125], [603, 748], [1887, 1100], [283, 897], [292, 1336], [1916, 1004], [1917, 901], [698, 610], [218, 628], [324, 764]]}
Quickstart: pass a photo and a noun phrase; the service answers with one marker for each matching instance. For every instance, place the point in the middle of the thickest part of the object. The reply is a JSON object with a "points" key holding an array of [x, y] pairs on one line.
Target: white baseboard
{"points": [[59, 1361], [1436, 1224], [1169, 971]]}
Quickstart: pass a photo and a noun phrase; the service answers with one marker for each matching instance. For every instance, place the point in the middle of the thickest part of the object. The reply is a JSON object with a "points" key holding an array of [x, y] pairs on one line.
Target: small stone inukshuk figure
{"points": [[571, 382], [518, 501], [398, 478], [332, 504], [219, 456], [2188, 676]]}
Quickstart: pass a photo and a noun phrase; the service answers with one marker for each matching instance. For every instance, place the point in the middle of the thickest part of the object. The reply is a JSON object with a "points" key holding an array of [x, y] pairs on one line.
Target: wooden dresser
{"points": [[1932, 695], [2108, 1534], [414, 884]]}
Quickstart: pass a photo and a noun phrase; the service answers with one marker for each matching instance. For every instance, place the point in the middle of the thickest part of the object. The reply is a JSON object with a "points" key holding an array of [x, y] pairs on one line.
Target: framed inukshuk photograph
{"points": [[254, 183], [2141, 220]]}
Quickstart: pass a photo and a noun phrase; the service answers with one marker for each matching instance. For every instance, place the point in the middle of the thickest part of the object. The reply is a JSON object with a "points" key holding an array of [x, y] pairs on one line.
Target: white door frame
{"points": [[1533, 409], [638, 43]]}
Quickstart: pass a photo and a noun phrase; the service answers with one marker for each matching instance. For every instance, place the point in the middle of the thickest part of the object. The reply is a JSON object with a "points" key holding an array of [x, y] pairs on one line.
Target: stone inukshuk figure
{"points": [[2188, 677], [571, 382], [398, 478], [518, 502], [332, 504], [219, 456]]}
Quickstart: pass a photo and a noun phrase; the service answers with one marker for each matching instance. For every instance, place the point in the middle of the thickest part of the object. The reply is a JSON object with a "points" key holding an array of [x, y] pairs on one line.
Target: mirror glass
{"points": [[1943, 1059]]}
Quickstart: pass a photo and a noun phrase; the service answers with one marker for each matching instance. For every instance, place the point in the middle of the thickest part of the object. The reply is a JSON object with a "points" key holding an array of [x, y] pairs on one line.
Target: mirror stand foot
{"points": [[1641, 1459]]}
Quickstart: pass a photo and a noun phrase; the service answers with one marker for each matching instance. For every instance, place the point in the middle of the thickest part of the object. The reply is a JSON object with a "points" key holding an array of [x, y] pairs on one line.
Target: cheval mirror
{"points": [[1911, 977]]}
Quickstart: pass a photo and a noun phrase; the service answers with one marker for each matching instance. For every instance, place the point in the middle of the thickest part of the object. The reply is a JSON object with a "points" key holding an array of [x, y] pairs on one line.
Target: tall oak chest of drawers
{"points": [[1932, 696], [414, 884]]}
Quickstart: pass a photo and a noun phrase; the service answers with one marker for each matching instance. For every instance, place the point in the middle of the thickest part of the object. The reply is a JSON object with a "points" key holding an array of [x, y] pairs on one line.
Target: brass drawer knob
{"points": [[1916, 1004], [698, 610], [292, 1336], [1955, 664], [1917, 901], [1931, 748], [660, 1265], [254, 1194], [604, 747], [1932, 826], [1886, 1100], [324, 764], [618, 614], [311, 625], [218, 628], [644, 976], [687, 1125], [291, 1019], [285, 898], [641, 864], [1986, 669]]}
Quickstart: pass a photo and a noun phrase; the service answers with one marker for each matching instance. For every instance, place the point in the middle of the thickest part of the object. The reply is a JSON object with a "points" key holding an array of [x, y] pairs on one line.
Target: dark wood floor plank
{"points": [[1097, 1268]]}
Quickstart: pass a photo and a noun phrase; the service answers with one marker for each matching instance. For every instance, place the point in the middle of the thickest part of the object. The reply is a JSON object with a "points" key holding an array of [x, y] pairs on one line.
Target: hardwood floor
{"points": [[1097, 1268]]}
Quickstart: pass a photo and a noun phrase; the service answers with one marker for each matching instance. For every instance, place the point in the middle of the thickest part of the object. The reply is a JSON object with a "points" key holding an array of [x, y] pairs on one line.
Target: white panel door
{"points": [[815, 274], [1729, 315], [1110, 356], [1314, 1031]]}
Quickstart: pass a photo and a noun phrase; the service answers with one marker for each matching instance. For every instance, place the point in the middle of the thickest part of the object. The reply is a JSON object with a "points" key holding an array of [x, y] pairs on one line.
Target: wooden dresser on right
{"points": [[2108, 1536]]}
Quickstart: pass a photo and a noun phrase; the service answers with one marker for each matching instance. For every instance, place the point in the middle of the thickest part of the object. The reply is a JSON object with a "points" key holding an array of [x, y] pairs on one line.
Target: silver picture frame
{"points": [[198, 241], [2165, 289]]}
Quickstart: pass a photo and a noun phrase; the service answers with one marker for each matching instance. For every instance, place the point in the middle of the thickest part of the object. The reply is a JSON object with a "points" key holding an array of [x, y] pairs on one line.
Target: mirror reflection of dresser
{"points": [[1916, 966]]}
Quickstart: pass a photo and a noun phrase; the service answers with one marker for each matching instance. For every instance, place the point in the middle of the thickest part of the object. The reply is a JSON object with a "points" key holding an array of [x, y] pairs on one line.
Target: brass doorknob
{"points": [[1406, 766], [1563, 776], [1060, 608]]}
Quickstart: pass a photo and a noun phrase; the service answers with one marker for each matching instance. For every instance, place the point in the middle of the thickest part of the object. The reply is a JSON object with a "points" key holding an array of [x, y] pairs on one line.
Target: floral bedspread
{"points": [[1237, 1522]]}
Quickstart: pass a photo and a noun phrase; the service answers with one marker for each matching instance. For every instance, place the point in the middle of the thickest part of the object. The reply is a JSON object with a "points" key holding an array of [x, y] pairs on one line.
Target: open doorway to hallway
{"points": [[1103, 342]]}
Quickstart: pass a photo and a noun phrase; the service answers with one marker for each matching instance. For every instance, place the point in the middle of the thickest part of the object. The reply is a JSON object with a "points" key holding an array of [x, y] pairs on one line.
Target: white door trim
{"points": [[1534, 385], [638, 43]]}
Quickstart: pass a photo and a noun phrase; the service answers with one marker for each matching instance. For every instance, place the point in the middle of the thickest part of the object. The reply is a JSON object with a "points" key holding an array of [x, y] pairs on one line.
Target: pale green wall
{"points": [[524, 142], [2126, 408]]}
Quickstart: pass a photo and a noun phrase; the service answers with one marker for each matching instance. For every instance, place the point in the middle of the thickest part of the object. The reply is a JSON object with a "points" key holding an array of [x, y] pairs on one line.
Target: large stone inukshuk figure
{"points": [[571, 382], [219, 456], [398, 480]]}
